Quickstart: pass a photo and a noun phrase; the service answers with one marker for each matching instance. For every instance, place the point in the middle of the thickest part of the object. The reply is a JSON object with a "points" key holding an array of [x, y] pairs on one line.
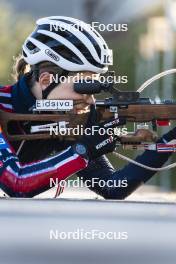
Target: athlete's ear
{"points": [[44, 80]]}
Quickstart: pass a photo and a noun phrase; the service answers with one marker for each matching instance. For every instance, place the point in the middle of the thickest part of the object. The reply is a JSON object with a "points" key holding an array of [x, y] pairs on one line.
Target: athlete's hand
{"points": [[101, 141]]}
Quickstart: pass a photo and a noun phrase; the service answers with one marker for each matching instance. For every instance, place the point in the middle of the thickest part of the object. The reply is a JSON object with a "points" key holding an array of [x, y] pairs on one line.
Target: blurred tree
{"points": [[14, 28]]}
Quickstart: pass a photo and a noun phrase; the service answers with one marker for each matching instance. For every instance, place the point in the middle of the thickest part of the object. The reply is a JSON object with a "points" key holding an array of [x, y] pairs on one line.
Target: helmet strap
{"points": [[53, 85]]}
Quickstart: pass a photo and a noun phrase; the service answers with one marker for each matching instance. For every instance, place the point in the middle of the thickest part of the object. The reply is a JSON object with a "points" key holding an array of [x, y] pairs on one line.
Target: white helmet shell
{"points": [[69, 43]]}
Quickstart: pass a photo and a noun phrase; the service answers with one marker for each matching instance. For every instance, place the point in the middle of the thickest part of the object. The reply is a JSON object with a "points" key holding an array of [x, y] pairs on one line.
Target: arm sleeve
{"points": [[27, 180], [133, 176]]}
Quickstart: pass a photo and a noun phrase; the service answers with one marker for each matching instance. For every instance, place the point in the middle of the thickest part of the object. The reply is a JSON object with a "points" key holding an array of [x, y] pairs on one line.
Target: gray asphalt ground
{"points": [[27, 227]]}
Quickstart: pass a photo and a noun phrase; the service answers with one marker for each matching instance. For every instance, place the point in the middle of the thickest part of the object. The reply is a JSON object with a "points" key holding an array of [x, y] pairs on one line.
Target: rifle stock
{"points": [[127, 105], [7, 118], [138, 112], [143, 112]]}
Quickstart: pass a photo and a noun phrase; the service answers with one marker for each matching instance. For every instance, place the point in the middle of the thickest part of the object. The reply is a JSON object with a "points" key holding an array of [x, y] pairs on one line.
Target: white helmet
{"points": [[69, 43]]}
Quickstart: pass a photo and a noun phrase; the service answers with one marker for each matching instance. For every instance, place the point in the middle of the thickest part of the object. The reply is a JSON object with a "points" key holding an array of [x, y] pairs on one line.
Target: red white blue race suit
{"points": [[28, 179], [29, 173]]}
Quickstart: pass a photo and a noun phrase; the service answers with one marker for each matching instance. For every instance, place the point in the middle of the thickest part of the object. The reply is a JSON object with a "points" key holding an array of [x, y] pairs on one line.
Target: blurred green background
{"points": [[147, 48]]}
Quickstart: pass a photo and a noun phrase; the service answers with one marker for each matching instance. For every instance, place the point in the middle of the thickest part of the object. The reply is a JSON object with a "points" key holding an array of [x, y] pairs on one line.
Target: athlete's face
{"points": [[65, 91]]}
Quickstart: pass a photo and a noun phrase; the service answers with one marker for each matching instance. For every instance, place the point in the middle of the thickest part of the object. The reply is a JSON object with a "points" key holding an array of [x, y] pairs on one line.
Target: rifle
{"points": [[122, 104]]}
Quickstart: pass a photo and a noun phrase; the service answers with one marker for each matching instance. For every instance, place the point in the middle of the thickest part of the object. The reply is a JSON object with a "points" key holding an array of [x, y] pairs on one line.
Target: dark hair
{"points": [[19, 67]]}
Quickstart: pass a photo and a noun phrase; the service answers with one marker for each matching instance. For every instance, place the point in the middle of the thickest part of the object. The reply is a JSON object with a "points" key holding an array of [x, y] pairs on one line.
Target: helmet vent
{"points": [[33, 49], [58, 47], [86, 33]]}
